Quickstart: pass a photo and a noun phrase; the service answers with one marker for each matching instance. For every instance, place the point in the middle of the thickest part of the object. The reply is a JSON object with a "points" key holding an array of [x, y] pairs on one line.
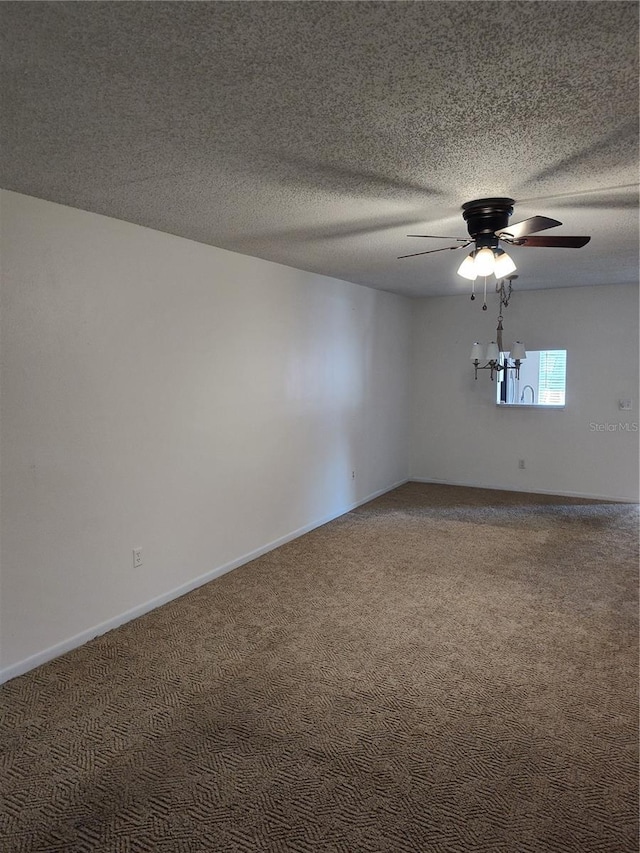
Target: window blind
{"points": [[551, 378]]}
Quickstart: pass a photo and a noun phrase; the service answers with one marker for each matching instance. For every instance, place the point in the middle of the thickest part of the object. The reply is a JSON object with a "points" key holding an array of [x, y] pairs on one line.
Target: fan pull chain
{"points": [[484, 304], [473, 290]]}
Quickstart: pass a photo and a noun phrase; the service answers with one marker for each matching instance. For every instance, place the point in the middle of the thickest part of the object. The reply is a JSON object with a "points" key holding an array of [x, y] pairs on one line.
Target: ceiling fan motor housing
{"points": [[486, 216]]}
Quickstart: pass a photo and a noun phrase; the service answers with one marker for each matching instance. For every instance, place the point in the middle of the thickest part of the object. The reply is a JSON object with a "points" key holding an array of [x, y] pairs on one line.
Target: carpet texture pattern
{"points": [[440, 670]]}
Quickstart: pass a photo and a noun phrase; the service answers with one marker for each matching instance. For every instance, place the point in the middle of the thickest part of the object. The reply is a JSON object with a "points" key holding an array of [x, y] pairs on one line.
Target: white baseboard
{"points": [[84, 636], [471, 485]]}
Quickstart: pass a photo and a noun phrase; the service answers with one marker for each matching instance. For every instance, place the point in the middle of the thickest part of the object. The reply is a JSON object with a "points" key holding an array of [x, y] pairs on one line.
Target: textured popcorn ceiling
{"points": [[320, 134]]}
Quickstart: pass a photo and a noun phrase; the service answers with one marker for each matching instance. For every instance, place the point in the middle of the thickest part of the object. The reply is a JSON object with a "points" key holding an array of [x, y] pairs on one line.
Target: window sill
{"points": [[528, 406]]}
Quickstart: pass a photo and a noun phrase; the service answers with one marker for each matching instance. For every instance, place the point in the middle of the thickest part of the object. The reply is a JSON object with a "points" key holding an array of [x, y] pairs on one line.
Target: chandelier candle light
{"points": [[492, 357]]}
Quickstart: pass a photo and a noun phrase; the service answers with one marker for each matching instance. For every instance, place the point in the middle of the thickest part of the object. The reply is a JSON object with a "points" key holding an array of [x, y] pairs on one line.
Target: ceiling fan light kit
{"points": [[484, 262]]}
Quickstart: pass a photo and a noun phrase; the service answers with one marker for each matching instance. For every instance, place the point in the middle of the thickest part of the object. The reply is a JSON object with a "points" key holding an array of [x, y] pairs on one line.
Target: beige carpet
{"points": [[441, 670]]}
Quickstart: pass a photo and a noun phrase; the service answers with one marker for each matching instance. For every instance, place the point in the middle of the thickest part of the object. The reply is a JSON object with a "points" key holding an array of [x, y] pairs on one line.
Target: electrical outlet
{"points": [[137, 558], [521, 463], [353, 475], [624, 405]]}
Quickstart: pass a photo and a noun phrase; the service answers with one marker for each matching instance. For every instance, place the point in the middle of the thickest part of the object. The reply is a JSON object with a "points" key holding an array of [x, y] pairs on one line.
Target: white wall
{"points": [[164, 394], [459, 435]]}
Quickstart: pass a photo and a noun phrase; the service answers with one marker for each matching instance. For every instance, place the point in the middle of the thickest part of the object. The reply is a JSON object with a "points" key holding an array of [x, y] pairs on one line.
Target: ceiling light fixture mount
{"points": [[485, 218]]}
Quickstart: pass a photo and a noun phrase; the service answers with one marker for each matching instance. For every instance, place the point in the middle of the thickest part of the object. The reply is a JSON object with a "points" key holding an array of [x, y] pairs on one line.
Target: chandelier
{"points": [[496, 359]]}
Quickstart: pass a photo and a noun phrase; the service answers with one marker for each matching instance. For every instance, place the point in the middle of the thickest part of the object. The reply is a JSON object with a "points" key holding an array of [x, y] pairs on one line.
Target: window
{"points": [[551, 377], [542, 380]]}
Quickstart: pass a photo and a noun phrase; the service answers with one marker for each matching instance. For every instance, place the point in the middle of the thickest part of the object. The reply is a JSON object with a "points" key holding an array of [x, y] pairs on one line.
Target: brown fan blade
{"points": [[431, 251], [527, 226], [438, 237], [562, 242]]}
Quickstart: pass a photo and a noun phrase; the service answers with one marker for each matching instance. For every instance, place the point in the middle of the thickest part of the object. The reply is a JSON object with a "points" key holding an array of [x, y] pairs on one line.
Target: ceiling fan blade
{"points": [[562, 242], [438, 237], [528, 226], [431, 251]]}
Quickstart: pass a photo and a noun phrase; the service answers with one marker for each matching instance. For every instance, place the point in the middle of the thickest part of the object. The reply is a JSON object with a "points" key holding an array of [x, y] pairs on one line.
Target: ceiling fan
{"points": [[488, 225]]}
